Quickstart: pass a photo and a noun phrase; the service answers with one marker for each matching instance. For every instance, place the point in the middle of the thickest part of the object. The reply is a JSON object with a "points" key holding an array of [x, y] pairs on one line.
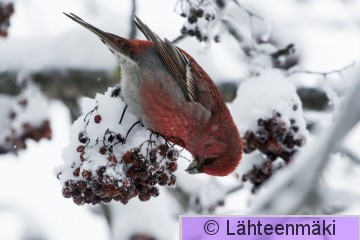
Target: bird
{"points": [[173, 95]]}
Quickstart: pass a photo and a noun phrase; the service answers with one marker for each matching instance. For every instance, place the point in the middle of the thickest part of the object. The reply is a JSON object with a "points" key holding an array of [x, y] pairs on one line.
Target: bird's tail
{"points": [[114, 43]]}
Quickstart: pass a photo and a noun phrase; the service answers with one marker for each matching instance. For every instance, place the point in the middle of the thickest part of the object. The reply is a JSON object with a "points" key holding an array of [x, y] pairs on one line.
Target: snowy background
{"points": [[323, 177]]}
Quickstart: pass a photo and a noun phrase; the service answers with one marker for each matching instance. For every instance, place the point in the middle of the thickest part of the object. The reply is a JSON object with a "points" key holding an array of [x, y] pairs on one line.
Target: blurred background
{"points": [[48, 63]]}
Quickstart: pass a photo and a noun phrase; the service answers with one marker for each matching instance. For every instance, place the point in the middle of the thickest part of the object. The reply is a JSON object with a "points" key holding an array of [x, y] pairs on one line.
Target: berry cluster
{"points": [[274, 137], [114, 167], [21, 125], [6, 10], [17, 140], [200, 20]]}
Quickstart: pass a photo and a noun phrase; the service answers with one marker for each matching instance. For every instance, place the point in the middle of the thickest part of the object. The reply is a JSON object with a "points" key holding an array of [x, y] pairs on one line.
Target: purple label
{"points": [[270, 228]]}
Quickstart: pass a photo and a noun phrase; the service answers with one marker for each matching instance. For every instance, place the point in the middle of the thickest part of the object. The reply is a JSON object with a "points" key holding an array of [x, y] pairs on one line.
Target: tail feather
{"points": [[111, 40]]}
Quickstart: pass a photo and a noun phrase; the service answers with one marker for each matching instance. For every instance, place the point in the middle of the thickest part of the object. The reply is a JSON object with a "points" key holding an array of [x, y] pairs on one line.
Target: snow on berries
{"points": [[269, 115], [203, 19], [112, 156], [23, 117]]}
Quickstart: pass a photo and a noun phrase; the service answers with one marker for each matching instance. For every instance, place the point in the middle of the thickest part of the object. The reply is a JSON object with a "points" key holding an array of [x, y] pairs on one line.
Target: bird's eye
{"points": [[208, 161]]}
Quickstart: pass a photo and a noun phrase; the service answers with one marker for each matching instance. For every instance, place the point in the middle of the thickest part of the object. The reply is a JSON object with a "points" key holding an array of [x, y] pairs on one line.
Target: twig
{"points": [[252, 16], [324, 74], [133, 28], [179, 39]]}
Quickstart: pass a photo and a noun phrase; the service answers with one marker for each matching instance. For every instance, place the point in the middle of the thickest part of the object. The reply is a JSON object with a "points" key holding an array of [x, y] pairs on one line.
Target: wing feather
{"points": [[175, 61]]}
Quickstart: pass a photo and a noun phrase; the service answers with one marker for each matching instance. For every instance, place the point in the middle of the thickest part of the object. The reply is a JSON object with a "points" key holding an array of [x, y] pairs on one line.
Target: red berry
{"points": [[128, 157], [76, 172], [103, 150], [97, 118], [172, 166], [144, 197], [86, 174], [80, 149]]}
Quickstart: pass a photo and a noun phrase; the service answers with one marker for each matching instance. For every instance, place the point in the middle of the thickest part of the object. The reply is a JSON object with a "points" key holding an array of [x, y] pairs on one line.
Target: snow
{"points": [[22, 114], [29, 190], [259, 96], [157, 217]]}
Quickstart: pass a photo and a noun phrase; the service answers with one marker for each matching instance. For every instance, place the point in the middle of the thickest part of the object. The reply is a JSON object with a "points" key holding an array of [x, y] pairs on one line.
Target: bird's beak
{"points": [[195, 166]]}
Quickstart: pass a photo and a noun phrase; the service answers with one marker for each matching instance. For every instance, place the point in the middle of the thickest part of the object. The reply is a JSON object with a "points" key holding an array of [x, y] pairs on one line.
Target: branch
{"points": [[324, 74], [133, 28]]}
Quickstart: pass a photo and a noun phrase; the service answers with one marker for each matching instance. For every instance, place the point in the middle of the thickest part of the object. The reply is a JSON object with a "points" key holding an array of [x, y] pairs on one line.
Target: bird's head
{"points": [[217, 154]]}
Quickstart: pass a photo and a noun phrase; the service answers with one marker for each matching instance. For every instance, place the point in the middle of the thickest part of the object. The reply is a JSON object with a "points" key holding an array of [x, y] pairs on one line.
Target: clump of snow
{"points": [[259, 96], [269, 115], [111, 156], [23, 117]]}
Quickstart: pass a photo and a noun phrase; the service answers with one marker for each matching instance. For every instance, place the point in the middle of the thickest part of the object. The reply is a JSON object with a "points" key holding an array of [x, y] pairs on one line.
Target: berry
{"points": [[154, 192], [82, 137], [80, 149], [76, 172], [103, 150], [97, 119], [172, 166], [86, 174], [172, 155], [128, 157], [144, 197]]}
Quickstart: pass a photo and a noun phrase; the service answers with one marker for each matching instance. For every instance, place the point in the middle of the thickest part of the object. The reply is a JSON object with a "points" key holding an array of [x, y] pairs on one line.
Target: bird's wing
{"points": [[175, 61]]}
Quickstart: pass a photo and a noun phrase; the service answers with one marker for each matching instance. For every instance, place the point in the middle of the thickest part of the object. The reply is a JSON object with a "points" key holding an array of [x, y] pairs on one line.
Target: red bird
{"points": [[172, 95]]}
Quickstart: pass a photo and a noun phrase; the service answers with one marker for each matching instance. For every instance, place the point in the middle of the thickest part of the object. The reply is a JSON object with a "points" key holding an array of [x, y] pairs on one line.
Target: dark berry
{"points": [[163, 148], [172, 180], [103, 150], [266, 167], [191, 32], [80, 149], [262, 135], [86, 174], [79, 200], [144, 197], [128, 157], [82, 137], [163, 179], [276, 113], [172, 166], [192, 19], [295, 128], [199, 13], [154, 191], [261, 122], [172, 155], [76, 172], [97, 119]]}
